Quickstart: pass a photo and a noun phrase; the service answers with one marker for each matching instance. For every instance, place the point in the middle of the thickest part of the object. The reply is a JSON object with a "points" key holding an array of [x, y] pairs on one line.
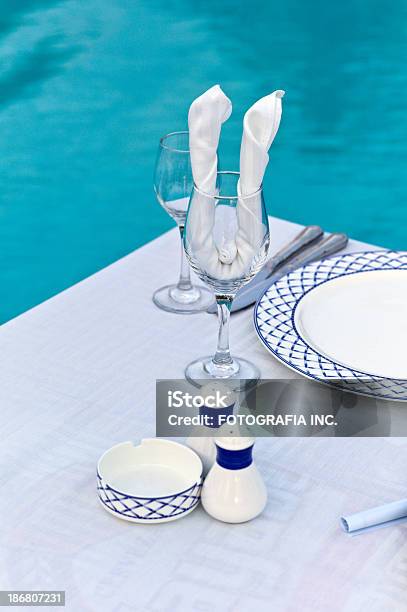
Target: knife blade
{"points": [[249, 294], [308, 235]]}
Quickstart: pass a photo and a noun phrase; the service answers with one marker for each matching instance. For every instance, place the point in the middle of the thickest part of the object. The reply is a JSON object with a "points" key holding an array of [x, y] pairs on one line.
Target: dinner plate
{"points": [[342, 321]]}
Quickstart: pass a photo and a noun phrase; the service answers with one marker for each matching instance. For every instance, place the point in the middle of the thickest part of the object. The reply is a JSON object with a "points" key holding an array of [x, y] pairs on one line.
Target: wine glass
{"points": [[173, 184], [226, 241]]}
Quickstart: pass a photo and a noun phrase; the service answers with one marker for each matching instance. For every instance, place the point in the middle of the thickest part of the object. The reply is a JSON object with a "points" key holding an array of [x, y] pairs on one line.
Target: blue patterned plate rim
{"points": [[358, 375]]}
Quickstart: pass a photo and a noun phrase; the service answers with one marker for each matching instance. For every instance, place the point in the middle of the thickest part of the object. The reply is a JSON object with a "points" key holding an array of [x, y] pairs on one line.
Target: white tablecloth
{"points": [[78, 375]]}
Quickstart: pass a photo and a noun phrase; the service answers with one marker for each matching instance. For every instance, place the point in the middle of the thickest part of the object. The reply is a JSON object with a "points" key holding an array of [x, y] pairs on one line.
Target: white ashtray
{"points": [[155, 482]]}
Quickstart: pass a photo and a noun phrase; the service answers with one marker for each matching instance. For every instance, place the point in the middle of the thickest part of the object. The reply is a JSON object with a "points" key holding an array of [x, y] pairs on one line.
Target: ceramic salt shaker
{"points": [[234, 491], [218, 400]]}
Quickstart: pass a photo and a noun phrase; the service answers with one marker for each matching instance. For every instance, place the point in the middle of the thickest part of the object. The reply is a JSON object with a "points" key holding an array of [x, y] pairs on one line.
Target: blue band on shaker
{"points": [[213, 415], [234, 459]]}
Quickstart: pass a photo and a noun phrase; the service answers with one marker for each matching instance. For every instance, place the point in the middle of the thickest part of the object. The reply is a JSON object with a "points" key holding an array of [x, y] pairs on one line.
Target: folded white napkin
{"points": [[205, 118], [260, 126], [220, 255], [375, 518]]}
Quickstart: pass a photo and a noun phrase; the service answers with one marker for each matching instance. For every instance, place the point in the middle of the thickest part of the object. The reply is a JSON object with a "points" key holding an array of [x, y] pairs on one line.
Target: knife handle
{"points": [[325, 248], [328, 246], [306, 236]]}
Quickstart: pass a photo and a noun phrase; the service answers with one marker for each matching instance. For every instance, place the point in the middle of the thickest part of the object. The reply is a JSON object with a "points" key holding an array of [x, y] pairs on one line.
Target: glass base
{"points": [[173, 299], [243, 373]]}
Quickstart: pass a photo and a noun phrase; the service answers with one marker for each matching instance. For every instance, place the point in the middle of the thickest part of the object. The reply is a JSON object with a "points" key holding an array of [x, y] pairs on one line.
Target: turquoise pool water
{"points": [[88, 87]]}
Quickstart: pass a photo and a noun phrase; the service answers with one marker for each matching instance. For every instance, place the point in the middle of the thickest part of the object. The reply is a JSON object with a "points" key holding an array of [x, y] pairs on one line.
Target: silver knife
{"points": [[249, 294], [306, 236]]}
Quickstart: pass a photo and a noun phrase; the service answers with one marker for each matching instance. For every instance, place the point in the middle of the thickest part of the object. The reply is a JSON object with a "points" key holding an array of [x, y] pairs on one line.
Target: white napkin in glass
{"points": [[230, 256], [260, 126], [375, 518], [205, 118]]}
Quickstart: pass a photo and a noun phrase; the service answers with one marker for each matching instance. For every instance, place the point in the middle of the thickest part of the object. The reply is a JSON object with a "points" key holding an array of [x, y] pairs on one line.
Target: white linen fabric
{"points": [[205, 118], [260, 126], [77, 375], [221, 255]]}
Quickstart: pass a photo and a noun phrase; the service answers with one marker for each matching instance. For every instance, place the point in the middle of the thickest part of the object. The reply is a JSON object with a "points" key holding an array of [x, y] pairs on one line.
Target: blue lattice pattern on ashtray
{"points": [[149, 509], [274, 321]]}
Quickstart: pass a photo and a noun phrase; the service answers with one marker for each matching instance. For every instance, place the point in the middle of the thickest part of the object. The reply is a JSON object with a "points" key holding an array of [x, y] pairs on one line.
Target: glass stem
{"points": [[184, 282], [222, 355]]}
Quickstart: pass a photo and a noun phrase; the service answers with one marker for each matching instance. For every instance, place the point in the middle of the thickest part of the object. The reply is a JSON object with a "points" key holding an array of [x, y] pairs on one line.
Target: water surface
{"points": [[87, 88]]}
